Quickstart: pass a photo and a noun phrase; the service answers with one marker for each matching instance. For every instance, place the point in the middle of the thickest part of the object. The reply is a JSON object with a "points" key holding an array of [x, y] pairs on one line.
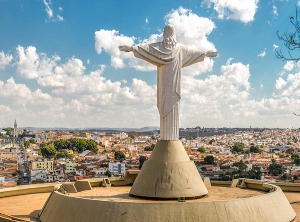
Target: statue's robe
{"points": [[169, 63]]}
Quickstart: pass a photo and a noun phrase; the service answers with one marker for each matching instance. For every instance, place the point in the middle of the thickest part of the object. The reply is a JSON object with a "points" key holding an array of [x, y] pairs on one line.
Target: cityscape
{"points": [[33, 157], [175, 111]]}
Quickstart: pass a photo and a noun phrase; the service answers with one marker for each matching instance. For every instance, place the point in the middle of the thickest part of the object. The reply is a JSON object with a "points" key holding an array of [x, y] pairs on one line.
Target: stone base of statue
{"points": [[168, 174]]}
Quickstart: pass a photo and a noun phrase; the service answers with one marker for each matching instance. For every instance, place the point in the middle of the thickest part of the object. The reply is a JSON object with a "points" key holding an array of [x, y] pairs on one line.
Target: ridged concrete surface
{"points": [[168, 173]]}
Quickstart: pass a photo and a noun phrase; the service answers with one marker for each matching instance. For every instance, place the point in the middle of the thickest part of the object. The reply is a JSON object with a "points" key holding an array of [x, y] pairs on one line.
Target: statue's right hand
{"points": [[125, 48]]}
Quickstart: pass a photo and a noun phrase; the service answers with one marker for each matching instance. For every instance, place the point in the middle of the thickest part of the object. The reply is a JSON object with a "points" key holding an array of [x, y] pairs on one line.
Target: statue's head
{"points": [[169, 30], [169, 41]]}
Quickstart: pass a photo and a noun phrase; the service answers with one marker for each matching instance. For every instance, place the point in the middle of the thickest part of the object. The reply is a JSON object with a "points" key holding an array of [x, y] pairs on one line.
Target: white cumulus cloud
{"points": [[267, 112], [31, 64], [242, 10], [289, 65], [289, 87], [191, 30], [20, 95], [262, 54], [5, 60], [109, 41], [211, 93]]}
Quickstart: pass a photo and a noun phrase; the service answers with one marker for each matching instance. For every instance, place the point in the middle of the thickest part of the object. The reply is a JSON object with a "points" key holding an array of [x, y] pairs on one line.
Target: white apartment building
{"points": [[117, 168]]}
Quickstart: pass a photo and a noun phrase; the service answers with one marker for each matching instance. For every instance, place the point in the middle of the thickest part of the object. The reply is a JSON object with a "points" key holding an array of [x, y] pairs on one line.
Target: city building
{"points": [[15, 129], [117, 168], [42, 165], [70, 167]]}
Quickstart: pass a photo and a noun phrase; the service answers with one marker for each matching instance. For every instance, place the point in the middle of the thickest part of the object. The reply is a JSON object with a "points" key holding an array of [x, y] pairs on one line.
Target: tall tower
{"points": [[15, 129]]}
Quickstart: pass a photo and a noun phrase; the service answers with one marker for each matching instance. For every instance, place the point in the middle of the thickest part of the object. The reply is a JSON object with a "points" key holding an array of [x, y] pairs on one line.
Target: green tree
{"points": [[142, 159], [254, 149], [119, 155], [212, 141], [251, 174], [296, 177], [26, 144], [275, 168], [32, 140], [238, 147], [108, 173], [297, 161], [225, 177], [295, 156], [48, 150], [201, 149], [76, 144], [283, 177], [209, 160], [8, 130], [62, 154], [241, 165]]}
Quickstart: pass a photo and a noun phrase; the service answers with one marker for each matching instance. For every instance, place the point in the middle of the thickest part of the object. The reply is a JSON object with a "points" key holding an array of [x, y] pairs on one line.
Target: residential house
{"points": [[81, 170], [70, 167], [38, 176], [87, 154]]}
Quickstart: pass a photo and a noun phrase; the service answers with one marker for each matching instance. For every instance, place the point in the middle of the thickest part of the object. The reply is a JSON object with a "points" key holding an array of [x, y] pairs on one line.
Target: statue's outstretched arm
{"points": [[125, 48], [211, 53]]}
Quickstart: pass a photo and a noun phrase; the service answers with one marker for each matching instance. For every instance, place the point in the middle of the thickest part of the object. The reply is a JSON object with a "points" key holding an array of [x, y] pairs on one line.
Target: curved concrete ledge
{"points": [[116, 181], [267, 207], [27, 189], [8, 218], [48, 187]]}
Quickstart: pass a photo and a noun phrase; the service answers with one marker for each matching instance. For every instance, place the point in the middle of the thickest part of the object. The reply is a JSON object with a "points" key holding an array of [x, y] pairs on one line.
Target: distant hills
{"points": [[90, 129]]}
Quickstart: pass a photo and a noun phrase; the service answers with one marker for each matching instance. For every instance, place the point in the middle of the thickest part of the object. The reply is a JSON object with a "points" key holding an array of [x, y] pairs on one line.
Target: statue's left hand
{"points": [[125, 48], [211, 53]]}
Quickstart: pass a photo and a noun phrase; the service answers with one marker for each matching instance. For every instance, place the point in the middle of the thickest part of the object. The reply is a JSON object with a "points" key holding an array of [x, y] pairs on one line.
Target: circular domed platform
{"points": [[221, 204]]}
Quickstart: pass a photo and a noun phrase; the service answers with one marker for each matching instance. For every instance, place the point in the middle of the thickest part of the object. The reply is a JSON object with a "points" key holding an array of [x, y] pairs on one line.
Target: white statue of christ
{"points": [[169, 57]]}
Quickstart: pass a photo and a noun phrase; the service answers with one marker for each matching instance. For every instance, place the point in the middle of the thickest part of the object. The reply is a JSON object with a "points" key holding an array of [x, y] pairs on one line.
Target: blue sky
{"points": [[60, 65]]}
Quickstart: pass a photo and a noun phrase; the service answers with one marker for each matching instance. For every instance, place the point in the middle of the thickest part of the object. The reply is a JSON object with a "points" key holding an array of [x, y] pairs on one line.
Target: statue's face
{"points": [[169, 31]]}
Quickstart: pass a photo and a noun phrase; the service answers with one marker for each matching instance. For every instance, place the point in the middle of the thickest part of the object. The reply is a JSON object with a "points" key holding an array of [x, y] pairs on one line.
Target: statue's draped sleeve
{"points": [[191, 56], [155, 53], [169, 63]]}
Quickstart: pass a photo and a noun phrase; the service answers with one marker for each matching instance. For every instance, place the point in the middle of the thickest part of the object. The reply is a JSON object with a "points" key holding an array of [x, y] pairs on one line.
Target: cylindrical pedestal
{"points": [[168, 174]]}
